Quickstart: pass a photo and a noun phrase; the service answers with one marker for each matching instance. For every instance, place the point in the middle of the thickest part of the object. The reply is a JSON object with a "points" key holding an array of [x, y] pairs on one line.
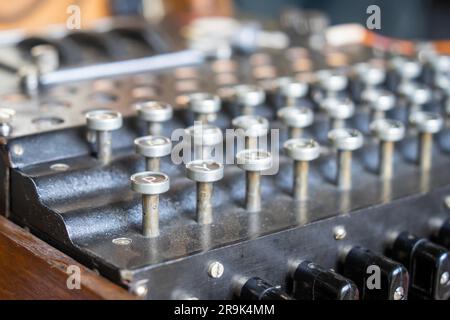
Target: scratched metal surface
{"points": [[90, 205]]}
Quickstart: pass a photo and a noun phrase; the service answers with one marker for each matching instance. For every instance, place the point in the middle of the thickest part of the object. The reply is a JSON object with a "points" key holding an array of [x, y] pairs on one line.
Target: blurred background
{"points": [[408, 19]]}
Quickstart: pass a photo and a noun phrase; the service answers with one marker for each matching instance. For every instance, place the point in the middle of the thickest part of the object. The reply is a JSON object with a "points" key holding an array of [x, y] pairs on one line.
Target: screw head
{"points": [[60, 167], [150, 183], [444, 279], [204, 103], [339, 233], [104, 120], [204, 170], [388, 130], [153, 146], [254, 160], [399, 293], [253, 126], [215, 270], [346, 139], [296, 117], [302, 149], [122, 241], [427, 122], [154, 111], [140, 290], [18, 150]]}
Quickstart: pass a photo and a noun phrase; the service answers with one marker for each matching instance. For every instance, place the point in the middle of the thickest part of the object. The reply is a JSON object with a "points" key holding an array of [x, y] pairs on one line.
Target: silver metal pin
{"points": [[150, 185], [153, 148], [346, 141], [154, 113], [204, 137], [389, 132], [252, 128], [339, 110], [103, 122], [296, 119], [427, 123], [291, 90], [302, 151], [205, 173], [205, 106], [253, 161], [249, 97]]}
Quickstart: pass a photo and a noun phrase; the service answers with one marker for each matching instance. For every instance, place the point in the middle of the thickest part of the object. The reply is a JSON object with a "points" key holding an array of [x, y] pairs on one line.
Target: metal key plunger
{"points": [[370, 75], [45, 57], [205, 106], [296, 119], [332, 82], [406, 69], [389, 132], [150, 185], [253, 161], [302, 151], [29, 80], [204, 172], [252, 128], [427, 123], [346, 141], [418, 96], [103, 122], [379, 101], [154, 113], [153, 148], [204, 137], [291, 90], [249, 97], [440, 64], [339, 110]]}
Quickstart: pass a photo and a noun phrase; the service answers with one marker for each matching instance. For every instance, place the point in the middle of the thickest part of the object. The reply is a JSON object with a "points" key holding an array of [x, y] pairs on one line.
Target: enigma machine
{"points": [[230, 159]]}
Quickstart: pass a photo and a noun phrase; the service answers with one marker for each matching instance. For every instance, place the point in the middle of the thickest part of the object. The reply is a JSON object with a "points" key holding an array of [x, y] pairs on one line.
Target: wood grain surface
{"points": [[31, 269]]}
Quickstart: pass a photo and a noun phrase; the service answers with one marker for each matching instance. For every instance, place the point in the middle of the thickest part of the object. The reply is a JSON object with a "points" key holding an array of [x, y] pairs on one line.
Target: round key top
{"points": [[150, 183]]}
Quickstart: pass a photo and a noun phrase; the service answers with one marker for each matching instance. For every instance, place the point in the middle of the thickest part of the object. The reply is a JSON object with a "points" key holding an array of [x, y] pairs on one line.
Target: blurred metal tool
{"points": [[112, 69]]}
